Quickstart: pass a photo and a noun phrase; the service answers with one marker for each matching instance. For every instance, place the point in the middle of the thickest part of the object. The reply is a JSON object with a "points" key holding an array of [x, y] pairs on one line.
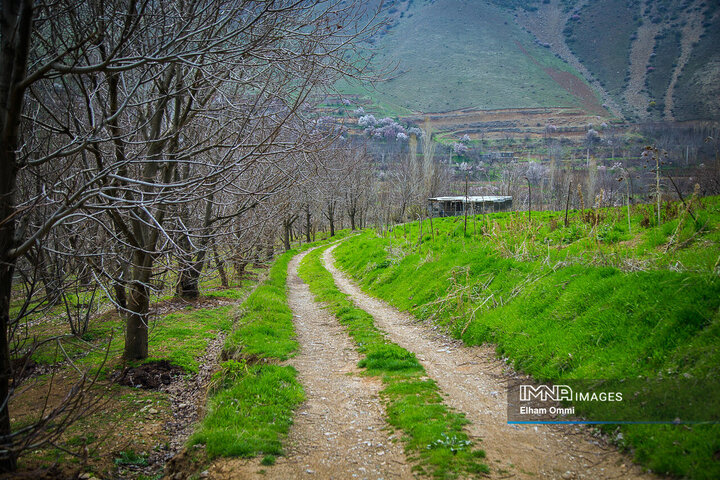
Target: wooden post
{"points": [[465, 206], [567, 203], [529, 199]]}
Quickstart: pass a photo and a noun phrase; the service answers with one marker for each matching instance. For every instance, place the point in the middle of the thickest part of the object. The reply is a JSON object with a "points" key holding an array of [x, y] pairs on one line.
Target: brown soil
{"points": [[151, 375], [121, 419], [339, 432], [154, 419], [474, 380], [571, 84], [56, 472], [578, 88]]}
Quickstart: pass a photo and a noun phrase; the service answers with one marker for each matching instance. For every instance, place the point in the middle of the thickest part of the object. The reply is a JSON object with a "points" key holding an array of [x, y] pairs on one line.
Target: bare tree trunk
{"points": [[331, 217], [120, 296], [220, 266], [286, 235], [53, 292], [465, 207], [567, 203], [189, 284], [432, 232], [16, 23], [7, 268], [240, 268], [136, 335], [529, 199], [307, 223]]}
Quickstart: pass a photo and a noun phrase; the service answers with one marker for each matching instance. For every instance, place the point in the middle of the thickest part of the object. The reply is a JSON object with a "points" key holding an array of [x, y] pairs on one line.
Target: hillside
{"points": [[452, 55], [630, 58]]}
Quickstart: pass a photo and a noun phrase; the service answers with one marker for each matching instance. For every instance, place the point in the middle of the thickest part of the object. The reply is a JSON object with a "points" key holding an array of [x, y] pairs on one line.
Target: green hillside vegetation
{"points": [[697, 94], [601, 38], [667, 52], [453, 55], [587, 301]]}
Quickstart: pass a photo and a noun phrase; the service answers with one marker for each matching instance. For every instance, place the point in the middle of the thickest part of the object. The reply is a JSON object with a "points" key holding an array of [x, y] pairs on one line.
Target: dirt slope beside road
{"points": [[339, 432], [474, 381]]}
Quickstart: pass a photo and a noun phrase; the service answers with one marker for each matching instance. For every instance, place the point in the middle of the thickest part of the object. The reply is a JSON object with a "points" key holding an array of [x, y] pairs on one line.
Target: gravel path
{"points": [[340, 431], [473, 380]]}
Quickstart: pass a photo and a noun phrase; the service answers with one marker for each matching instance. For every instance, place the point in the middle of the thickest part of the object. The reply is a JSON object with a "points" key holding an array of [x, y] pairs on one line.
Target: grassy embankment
{"points": [[593, 300], [433, 433], [252, 397]]}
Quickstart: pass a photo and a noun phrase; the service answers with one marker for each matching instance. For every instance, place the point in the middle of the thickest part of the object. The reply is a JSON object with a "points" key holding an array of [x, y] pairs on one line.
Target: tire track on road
{"points": [[339, 432], [474, 381]]}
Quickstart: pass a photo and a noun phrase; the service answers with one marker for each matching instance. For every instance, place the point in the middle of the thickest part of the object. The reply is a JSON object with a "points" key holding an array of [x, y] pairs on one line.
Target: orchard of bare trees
{"points": [[143, 141]]}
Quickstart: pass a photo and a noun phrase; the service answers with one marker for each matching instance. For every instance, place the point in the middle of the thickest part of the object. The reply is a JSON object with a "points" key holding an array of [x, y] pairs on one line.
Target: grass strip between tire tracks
{"points": [[433, 433]]}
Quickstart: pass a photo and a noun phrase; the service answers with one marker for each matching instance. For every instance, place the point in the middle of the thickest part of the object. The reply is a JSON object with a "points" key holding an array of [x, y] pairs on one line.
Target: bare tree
{"points": [[122, 117]]}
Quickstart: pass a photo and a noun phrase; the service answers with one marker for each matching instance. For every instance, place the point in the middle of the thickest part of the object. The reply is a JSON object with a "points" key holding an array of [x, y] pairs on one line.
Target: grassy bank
{"points": [[593, 300], [252, 397], [433, 434]]}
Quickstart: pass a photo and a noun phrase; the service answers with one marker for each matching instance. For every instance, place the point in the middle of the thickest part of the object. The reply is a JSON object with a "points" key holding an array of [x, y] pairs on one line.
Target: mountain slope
{"points": [[655, 59], [461, 54], [641, 59]]}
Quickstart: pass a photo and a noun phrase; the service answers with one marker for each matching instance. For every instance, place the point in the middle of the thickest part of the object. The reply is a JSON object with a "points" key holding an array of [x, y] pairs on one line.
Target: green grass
{"points": [[251, 403], [180, 337], [131, 457], [433, 433], [253, 415], [582, 302]]}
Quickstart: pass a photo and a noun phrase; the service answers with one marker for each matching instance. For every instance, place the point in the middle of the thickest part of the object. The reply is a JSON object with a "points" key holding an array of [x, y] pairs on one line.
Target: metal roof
{"points": [[472, 198]]}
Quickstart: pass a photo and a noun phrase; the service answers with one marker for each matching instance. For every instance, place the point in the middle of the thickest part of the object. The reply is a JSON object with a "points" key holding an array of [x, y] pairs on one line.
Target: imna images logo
{"points": [[544, 393], [559, 393]]}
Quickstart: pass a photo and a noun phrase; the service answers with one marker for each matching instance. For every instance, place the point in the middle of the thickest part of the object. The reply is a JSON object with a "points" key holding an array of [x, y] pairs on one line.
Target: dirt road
{"points": [[339, 432], [473, 380]]}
